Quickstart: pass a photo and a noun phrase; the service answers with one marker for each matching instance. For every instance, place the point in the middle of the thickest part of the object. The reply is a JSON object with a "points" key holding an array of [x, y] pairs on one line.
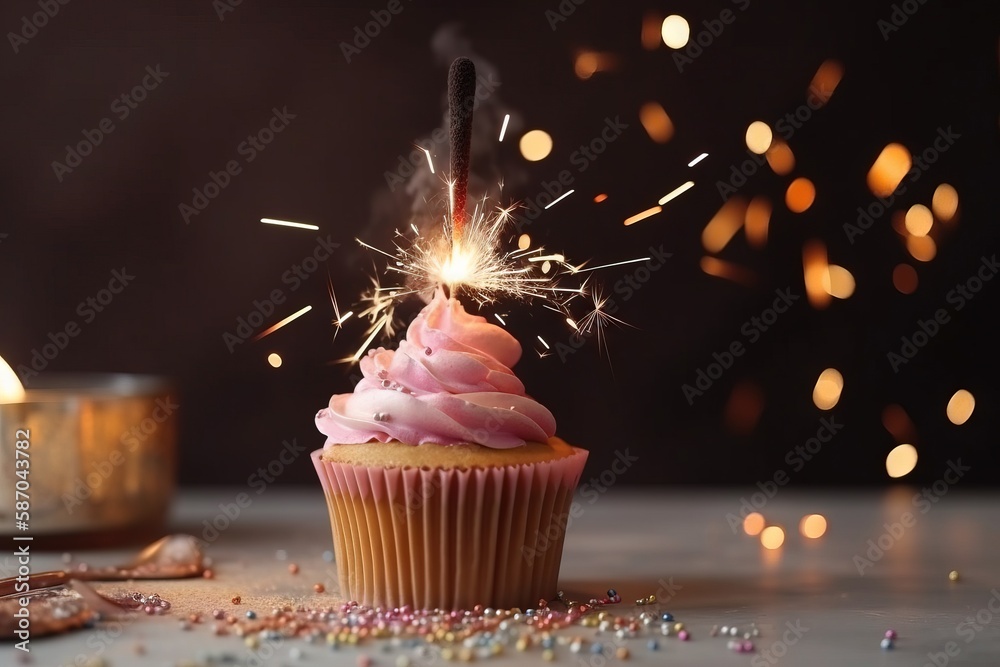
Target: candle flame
{"points": [[11, 389]]}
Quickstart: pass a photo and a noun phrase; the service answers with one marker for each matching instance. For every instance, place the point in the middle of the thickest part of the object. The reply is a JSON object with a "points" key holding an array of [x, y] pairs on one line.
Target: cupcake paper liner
{"points": [[449, 539]]}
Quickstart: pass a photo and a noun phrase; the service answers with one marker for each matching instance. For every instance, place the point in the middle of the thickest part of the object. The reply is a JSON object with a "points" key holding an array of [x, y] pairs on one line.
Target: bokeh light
{"points": [[589, 63], [757, 218], [813, 526], [274, 359], [898, 423], [744, 407], [536, 145], [901, 461], [759, 137], [724, 225], [904, 278], [772, 537], [800, 195], [960, 407], [838, 282], [921, 248], [919, 220], [523, 242], [815, 271], [714, 266], [675, 31], [650, 38], [829, 385], [944, 203], [898, 222], [889, 169], [657, 123], [825, 81], [780, 157], [599, 198], [753, 523]]}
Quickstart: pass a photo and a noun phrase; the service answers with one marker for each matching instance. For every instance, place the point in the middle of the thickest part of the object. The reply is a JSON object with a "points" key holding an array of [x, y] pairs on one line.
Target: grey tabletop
{"points": [[883, 563]]}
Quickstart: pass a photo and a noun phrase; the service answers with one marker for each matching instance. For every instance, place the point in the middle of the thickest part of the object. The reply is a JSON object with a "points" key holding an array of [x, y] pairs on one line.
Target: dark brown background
{"points": [[120, 209]]}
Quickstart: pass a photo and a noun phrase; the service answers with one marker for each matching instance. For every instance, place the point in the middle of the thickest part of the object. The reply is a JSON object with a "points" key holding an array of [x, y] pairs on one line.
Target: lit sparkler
{"points": [[465, 253]]}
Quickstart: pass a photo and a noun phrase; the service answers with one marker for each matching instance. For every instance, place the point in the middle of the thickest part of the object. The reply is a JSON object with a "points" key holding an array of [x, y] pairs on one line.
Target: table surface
{"points": [[808, 598]]}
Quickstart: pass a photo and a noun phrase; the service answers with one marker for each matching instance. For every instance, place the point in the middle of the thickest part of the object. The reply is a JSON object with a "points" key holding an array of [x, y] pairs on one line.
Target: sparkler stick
{"points": [[461, 97]]}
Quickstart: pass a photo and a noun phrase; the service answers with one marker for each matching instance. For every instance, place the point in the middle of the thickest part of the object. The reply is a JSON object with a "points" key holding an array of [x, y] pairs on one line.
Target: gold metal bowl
{"points": [[102, 458]]}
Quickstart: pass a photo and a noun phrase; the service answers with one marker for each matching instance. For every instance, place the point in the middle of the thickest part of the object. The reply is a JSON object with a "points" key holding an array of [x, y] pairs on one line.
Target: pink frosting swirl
{"points": [[448, 383]]}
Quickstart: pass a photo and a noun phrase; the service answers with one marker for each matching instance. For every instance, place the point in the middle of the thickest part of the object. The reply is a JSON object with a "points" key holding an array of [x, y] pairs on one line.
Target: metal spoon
{"points": [[171, 557]]}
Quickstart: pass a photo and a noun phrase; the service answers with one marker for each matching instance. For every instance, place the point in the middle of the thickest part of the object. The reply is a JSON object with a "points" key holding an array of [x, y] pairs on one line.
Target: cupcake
{"points": [[445, 484]]}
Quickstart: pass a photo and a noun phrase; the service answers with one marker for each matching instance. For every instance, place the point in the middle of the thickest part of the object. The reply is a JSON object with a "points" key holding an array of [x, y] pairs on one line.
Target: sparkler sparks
{"points": [[697, 159], [676, 192], [340, 319], [466, 252], [286, 223], [643, 215], [503, 128], [595, 321], [559, 199], [474, 265], [272, 329], [580, 269], [430, 161]]}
